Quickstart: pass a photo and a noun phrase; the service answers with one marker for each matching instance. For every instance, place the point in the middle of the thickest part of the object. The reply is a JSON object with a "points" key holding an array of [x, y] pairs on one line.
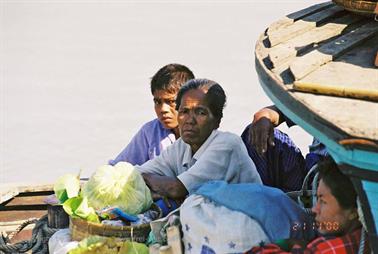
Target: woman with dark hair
{"points": [[202, 153], [336, 218]]}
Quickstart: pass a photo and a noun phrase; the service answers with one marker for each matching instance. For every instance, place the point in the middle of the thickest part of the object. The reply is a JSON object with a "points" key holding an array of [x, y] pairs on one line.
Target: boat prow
{"points": [[317, 66]]}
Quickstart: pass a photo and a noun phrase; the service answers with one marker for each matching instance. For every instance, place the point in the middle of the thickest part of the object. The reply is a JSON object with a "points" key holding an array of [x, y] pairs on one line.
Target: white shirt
{"points": [[223, 156]]}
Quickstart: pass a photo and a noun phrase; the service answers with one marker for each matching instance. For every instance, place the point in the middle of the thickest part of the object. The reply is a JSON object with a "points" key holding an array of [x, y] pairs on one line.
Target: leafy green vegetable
{"points": [[120, 185], [67, 186], [96, 244], [133, 248], [107, 245], [78, 207]]}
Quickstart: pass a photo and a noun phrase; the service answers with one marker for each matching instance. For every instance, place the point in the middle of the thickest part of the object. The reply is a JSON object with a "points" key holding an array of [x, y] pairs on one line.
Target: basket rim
{"points": [[353, 5]]}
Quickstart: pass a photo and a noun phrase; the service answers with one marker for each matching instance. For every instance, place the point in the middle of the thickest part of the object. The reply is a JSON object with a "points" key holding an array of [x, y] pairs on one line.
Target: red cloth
{"points": [[347, 244]]}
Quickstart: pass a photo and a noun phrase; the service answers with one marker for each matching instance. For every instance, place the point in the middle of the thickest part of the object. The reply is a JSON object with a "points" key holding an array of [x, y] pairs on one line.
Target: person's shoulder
{"points": [[155, 123], [228, 137], [152, 126]]}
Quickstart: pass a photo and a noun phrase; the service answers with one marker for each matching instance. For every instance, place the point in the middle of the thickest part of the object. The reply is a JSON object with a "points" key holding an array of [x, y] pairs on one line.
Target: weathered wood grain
{"points": [[291, 48], [303, 25], [304, 65]]}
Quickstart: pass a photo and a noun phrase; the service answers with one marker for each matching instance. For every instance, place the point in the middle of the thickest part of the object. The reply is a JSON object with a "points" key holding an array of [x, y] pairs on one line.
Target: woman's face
{"points": [[330, 217], [196, 122]]}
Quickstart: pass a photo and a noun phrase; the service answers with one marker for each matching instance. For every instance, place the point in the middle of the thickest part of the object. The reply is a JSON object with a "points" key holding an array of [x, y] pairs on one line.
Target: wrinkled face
{"points": [[196, 122], [330, 217], [165, 108]]}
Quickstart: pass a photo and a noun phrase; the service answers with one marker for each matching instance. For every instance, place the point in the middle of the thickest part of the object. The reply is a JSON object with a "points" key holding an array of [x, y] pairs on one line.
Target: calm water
{"points": [[75, 74]]}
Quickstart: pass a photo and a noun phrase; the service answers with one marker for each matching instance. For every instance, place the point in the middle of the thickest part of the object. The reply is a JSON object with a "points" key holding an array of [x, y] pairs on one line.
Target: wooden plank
{"points": [[174, 239], [154, 248], [8, 193], [29, 200], [337, 90], [13, 226], [344, 113], [306, 64], [353, 71], [8, 216], [291, 18], [36, 188], [303, 25], [296, 45]]}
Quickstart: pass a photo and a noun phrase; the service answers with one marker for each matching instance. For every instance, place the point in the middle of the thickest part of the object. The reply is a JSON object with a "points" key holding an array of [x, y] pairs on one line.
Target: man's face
{"points": [[165, 103], [196, 122], [330, 217]]}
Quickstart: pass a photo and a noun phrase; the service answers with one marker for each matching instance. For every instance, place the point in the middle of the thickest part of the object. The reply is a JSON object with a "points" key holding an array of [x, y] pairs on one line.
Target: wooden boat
{"points": [[24, 224], [317, 66]]}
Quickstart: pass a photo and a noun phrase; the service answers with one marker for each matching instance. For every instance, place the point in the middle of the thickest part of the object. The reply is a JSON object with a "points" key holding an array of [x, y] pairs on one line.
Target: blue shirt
{"points": [[282, 166], [148, 143]]}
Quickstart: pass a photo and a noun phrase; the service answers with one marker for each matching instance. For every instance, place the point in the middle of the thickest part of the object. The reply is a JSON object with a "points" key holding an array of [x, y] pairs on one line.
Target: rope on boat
{"points": [[21, 227], [38, 242]]}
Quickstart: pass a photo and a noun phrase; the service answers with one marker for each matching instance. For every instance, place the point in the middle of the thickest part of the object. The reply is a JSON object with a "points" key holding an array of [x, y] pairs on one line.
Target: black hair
{"points": [[215, 95], [340, 185], [170, 78]]}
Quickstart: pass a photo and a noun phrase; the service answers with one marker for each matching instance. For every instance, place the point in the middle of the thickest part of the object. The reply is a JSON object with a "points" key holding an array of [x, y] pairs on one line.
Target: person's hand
{"points": [[156, 196], [262, 134]]}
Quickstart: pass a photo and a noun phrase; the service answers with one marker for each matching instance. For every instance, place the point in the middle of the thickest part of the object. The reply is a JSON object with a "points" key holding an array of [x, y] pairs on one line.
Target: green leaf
{"points": [[133, 248], [78, 207], [67, 186]]}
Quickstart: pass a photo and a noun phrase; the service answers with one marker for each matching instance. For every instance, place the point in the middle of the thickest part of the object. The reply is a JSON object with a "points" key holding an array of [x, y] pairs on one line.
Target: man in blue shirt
{"points": [[278, 160], [158, 134]]}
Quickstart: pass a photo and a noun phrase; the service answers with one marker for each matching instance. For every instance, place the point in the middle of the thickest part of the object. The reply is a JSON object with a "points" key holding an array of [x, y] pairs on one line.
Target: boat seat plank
{"points": [[303, 25], [306, 64], [27, 200], [7, 217], [291, 18], [291, 48], [349, 76]]}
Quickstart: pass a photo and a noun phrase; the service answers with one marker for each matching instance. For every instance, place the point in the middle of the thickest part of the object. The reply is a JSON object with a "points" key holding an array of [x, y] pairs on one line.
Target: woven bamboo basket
{"points": [[81, 229], [360, 7]]}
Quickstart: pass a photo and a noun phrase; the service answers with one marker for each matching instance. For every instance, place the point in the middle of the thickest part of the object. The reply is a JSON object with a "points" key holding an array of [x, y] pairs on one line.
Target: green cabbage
{"points": [[120, 185], [67, 186], [78, 207]]}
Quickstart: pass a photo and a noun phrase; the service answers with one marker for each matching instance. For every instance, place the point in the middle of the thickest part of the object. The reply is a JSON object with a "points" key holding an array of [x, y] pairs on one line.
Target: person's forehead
{"points": [[164, 94], [195, 97], [323, 190]]}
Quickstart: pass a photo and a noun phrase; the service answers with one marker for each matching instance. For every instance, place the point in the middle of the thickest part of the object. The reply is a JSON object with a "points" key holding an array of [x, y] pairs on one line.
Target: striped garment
{"points": [[282, 166], [346, 244]]}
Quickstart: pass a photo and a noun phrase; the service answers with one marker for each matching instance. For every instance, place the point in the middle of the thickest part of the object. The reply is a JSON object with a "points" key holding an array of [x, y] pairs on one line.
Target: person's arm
{"points": [[160, 175], [165, 186], [262, 130]]}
